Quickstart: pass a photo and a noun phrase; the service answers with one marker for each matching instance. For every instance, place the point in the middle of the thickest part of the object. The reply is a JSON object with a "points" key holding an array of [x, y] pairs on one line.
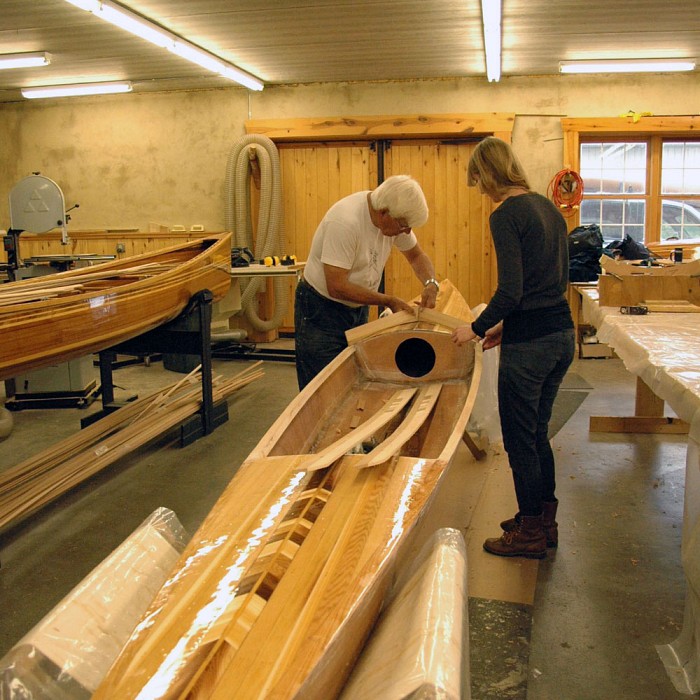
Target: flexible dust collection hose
{"points": [[250, 154]]}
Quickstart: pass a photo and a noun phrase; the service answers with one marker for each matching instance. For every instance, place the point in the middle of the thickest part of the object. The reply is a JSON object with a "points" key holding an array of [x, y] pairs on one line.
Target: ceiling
{"points": [[306, 41]]}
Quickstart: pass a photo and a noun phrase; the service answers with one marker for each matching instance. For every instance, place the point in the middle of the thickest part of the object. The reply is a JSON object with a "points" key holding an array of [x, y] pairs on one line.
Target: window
{"points": [[646, 188], [680, 177]]}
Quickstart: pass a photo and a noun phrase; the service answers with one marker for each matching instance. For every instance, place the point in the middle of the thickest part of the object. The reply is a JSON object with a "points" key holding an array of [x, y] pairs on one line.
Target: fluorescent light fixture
{"points": [[121, 17], [76, 90], [491, 18], [203, 58], [628, 65], [24, 60]]}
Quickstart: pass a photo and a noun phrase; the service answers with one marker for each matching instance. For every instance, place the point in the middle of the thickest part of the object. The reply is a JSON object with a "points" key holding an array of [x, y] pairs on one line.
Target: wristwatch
{"points": [[432, 280]]}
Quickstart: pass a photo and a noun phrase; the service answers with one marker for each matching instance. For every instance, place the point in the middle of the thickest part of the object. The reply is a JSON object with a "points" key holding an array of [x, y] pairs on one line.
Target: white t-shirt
{"points": [[347, 238]]}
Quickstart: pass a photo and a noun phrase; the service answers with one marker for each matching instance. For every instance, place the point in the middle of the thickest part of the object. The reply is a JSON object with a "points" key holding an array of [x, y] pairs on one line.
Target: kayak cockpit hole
{"points": [[415, 357]]}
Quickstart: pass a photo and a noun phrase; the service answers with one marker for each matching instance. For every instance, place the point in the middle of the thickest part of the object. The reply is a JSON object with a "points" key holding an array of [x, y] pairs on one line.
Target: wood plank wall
{"points": [[100, 242], [456, 236], [314, 176]]}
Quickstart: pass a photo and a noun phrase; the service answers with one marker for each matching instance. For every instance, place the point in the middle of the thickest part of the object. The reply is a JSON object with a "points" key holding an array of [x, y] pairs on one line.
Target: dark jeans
{"points": [[319, 330], [529, 376]]}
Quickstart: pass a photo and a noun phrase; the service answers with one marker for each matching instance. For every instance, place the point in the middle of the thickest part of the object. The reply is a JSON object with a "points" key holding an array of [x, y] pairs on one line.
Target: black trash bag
{"points": [[629, 249], [585, 249]]}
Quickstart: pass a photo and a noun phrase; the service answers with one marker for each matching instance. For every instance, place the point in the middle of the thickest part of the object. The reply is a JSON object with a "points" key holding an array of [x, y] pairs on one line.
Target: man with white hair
{"points": [[344, 268]]}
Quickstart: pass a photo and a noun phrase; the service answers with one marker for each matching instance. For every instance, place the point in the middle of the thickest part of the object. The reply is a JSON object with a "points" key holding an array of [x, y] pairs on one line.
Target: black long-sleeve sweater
{"points": [[530, 238]]}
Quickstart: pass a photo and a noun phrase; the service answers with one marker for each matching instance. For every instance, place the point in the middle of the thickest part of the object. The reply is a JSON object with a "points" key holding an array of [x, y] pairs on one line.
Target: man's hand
{"points": [[428, 296], [397, 304], [463, 335]]}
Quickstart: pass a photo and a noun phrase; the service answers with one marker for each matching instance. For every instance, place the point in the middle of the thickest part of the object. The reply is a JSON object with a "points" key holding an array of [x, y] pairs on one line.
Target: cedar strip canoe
{"points": [[55, 318], [278, 589]]}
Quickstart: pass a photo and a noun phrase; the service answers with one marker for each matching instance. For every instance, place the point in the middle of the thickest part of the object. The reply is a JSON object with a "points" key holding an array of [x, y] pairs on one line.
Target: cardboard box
{"points": [[633, 290], [589, 346], [594, 350], [625, 284]]}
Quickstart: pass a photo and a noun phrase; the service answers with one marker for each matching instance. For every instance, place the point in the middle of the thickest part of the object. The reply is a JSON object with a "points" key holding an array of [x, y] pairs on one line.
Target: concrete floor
{"points": [[581, 625]]}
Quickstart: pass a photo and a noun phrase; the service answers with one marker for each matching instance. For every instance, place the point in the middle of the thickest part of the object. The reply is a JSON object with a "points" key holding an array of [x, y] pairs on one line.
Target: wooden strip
{"points": [[347, 599], [674, 306], [203, 569], [400, 318], [381, 126], [683, 302], [477, 452], [415, 417], [637, 424], [646, 402], [440, 319], [333, 542], [337, 449]]}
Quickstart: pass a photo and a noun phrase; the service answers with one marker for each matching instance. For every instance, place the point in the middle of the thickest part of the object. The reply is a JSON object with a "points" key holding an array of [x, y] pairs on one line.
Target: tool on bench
{"points": [[241, 257], [274, 260], [634, 310]]}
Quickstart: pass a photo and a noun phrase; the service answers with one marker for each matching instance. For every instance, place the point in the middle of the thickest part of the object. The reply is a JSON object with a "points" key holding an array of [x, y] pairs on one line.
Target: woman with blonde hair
{"points": [[529, 317]]}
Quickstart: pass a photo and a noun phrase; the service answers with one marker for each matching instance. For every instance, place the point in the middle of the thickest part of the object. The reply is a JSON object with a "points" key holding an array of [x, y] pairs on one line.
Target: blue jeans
{"points": [[529, 376], [319, 330]]}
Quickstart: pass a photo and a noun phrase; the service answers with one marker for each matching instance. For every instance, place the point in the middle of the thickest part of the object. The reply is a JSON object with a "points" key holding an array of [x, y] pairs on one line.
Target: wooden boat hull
{"points": [[278, 589], [59, 317]]}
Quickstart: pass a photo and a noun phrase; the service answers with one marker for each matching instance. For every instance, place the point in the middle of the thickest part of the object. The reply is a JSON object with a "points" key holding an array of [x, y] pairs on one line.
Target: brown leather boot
{"points": [[527, 539], [551, 527]]}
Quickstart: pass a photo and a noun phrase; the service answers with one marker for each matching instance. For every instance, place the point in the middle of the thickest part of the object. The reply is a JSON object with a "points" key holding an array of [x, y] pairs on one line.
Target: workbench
{"points": [[232, 306], [257, 270], [663, 351]]}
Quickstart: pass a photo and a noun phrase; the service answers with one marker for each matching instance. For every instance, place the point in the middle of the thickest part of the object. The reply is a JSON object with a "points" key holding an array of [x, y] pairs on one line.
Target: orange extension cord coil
{"points": [[566, 191]]}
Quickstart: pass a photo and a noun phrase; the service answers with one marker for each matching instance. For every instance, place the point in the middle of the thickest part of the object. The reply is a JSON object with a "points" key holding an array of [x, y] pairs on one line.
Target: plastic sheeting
{"points": [[66, 655], [664, 350], [661, 348], [682, 656], [416, 649], [484, 417]]}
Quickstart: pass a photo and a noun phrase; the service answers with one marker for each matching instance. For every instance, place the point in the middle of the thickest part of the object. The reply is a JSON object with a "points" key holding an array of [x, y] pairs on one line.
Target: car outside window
{"points": [[625, 197]]}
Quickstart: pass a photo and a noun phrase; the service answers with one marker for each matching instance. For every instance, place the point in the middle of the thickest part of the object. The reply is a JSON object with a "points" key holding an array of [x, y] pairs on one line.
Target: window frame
{"points": [[624, 196], [654, 131]]}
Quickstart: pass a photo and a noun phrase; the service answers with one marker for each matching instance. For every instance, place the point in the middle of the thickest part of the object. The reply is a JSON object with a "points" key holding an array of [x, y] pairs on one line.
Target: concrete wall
{"points": [[161, 157]]}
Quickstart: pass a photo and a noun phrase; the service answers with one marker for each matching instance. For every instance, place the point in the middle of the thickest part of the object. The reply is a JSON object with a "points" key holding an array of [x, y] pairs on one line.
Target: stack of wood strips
{"points": [[39, 480], [59, 317], [54, 286]]}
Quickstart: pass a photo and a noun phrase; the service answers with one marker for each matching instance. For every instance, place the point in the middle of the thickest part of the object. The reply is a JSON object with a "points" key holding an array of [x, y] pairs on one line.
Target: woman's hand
{"points": [[463, 335], [493, 336]]}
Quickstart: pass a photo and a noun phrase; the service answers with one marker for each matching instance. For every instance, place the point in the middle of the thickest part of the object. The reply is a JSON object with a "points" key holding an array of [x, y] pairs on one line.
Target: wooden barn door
{"points": [[456, 236], [314, 177]]}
